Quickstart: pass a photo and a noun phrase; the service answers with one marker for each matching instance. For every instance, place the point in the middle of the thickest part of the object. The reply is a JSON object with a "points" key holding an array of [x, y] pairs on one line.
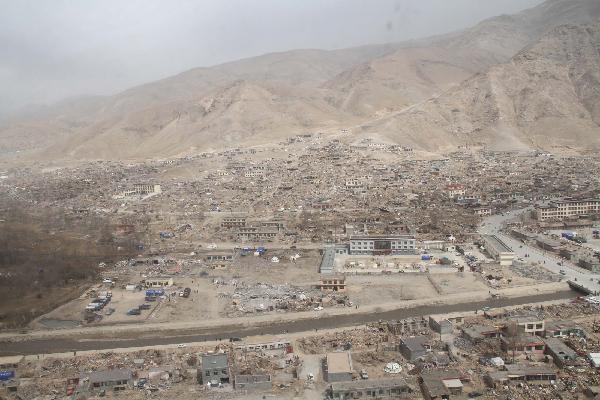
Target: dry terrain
{"points": [[433, 94]]}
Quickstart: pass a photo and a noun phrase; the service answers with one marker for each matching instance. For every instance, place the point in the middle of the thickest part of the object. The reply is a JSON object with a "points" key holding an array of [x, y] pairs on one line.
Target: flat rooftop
{"points": [[497, 244], [328, 260], [339, 363], [382, 237]]}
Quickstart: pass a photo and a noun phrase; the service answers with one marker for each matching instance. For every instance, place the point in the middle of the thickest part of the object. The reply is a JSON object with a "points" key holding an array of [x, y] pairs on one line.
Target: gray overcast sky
{"points": [[52, 49]]}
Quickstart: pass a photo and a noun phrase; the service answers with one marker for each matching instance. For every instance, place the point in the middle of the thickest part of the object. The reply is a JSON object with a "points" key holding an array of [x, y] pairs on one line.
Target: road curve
{"points": [[57, 345]]}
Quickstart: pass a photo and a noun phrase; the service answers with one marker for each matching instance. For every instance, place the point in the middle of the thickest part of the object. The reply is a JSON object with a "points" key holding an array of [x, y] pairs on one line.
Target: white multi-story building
{"points": [[455, 190], [144, 188], [382, 245], [567, 208]]}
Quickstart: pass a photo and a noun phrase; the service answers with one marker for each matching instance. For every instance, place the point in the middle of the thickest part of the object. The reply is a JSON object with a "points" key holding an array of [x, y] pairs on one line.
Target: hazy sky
{"points": [[52, 49]]}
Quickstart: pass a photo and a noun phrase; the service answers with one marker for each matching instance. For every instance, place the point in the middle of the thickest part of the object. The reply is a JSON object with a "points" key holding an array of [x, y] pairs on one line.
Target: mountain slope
{"points": [[427, 67], [241, 112], [547, 95], [385, 88]]}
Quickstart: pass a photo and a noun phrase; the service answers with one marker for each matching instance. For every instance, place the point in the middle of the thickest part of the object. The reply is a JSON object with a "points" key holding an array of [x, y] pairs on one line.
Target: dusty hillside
{"points": [[241, 112], [428, 67], [548, 95], [106, 127], [271, 97]]}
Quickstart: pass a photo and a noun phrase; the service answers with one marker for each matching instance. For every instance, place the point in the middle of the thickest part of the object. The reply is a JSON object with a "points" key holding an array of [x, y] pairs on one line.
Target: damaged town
{"points": [[413, 220]]}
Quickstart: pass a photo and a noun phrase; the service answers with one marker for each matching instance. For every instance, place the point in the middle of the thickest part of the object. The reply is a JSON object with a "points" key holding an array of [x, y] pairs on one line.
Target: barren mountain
{"points": [[64, 129], [271, 97], [547, 95], [428, 67], [240, 112]]}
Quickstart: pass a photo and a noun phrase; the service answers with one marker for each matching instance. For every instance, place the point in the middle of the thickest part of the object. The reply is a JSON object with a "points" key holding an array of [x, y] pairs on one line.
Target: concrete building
{"points": [[557, 210], [442, 384], [523, 344], [142, 189], [478, 333], [111, 380], [413, 348], [233, 222], [276, 345], [219, 256], [529, 324], [158, 282], [10, 362], [256, 233], [253, 382], [332, 283], [548, 244], [394, 388], [445, 325], [562, 354], [275, 225], [327, 263], [455, 190], [498, 249], [339, 367], [519, 373], [383, 245], [407, 325], [482, 211], [434, 244], [215, 369], [563, 328]]}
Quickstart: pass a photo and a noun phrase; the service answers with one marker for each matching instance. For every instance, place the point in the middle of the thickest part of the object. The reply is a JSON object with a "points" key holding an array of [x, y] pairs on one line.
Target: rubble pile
{"points": [[355, 339], [536, 272], [247, 299]]}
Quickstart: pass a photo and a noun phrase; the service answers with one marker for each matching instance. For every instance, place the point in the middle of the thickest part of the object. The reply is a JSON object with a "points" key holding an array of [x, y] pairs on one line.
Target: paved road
{"points": [[57, 345], [492, 226]]}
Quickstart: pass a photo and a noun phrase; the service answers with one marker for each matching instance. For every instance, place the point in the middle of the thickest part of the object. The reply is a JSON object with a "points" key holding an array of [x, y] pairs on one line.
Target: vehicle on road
{"points": [[181, 345]]}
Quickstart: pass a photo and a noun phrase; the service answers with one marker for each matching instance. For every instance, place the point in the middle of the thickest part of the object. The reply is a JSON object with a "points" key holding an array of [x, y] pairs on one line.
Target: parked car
{"points": [[134, 311]]}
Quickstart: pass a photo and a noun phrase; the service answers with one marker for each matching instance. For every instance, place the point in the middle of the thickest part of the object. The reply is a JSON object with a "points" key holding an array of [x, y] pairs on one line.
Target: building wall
{"points": [[560, 210], [368, 246], [339, 377]]}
